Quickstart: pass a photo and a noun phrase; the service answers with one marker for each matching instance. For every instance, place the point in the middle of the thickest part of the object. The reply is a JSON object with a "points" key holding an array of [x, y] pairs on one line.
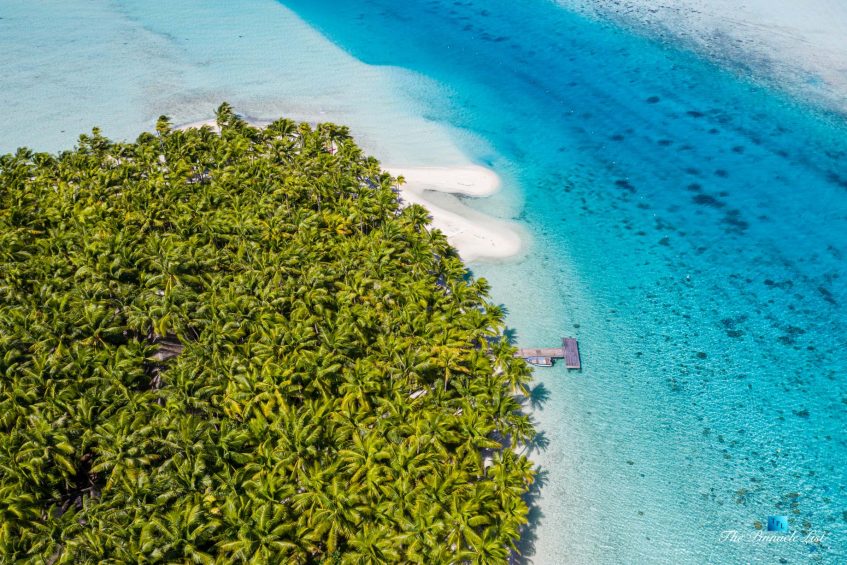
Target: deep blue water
{"points": [[690, 228]]}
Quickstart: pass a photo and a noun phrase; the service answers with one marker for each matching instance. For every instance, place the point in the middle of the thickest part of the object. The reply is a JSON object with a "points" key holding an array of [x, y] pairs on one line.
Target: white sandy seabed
{"points": [[182, 59], [797, 45]]}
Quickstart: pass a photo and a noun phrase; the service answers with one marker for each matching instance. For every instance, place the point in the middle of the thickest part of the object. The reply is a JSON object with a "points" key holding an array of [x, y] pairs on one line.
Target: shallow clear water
{"points": [[688, 227]]}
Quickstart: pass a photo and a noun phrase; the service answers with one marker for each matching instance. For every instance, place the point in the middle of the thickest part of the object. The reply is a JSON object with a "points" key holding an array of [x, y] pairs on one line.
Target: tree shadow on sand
{"points": [[534, 400], [511, 335], [538, 443], [526, 545], [538, 395]]}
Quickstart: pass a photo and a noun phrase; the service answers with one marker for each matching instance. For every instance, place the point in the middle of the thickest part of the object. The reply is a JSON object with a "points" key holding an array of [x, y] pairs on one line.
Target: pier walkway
{"points": [[544, 356]]}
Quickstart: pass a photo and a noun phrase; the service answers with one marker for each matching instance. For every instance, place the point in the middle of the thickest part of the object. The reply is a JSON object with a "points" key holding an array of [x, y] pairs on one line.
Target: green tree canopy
{"points": [[237, 346]]}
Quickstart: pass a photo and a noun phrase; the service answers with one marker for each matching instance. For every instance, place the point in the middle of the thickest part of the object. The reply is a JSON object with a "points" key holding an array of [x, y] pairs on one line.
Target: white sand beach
{"points": [[211, 122], [474, 234], [471, 180], [799, 46]]}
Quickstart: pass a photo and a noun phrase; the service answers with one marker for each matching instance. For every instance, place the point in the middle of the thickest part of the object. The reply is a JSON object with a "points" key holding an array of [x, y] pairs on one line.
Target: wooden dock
{"points": [[569, 352]]}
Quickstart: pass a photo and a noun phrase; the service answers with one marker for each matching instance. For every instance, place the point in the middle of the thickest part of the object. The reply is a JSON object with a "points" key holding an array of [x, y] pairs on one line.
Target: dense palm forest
{"points": [[236, 346]]}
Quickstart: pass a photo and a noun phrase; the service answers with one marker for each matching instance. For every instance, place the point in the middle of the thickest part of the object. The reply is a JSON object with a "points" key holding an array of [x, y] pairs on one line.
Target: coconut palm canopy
{"points": [[237, 347]]}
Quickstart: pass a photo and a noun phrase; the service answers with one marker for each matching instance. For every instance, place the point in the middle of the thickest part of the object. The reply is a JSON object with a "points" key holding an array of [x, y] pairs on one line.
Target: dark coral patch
{"points": [[625, 185], [786, 284], [731, 326], [827, 295], [835, 178], [708, 200], [734, 223]]}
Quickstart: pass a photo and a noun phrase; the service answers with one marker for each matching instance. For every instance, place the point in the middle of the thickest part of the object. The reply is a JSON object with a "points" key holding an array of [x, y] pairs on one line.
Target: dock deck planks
{"points": [[571, 349]]}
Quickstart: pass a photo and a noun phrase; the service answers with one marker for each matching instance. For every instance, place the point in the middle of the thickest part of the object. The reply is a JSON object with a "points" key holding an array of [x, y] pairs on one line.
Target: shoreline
{"points": [[475, 235], [798, 49]]}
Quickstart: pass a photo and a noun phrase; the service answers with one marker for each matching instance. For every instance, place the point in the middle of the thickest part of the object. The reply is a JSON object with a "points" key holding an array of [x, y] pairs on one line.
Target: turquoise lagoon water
{"points": [[689, 227]]}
